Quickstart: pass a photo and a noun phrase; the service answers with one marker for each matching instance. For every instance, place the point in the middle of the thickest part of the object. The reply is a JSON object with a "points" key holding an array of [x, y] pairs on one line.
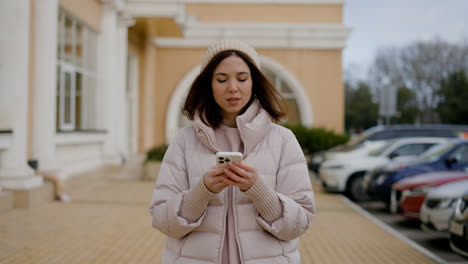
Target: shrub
{"points": [[316, 139], [156, 153]]}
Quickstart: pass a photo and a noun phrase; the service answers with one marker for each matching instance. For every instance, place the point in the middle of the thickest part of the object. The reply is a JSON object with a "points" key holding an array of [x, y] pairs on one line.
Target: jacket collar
{"points": [[253, 125]]}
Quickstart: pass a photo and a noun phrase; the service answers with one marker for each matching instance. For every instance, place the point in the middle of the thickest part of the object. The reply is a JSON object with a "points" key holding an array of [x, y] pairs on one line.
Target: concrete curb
{"points": [[392, 231]]}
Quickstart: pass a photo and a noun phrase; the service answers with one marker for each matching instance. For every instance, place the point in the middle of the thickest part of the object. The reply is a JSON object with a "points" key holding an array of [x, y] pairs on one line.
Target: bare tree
{"points": [[420, 66]]}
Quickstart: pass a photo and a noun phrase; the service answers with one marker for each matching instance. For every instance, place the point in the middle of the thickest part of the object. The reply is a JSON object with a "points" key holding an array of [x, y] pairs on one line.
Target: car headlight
{"points": [[318, 159], [381, 179], [446, 203]]}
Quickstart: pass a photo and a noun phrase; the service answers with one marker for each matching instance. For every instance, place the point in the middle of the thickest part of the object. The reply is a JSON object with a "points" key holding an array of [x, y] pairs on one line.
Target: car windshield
{"points": [[437, 152], [382, 149], [355, 142]]}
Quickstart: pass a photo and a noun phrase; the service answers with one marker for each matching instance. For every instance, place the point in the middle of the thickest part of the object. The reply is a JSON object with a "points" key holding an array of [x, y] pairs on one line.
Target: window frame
{"points": [[74, 68]]}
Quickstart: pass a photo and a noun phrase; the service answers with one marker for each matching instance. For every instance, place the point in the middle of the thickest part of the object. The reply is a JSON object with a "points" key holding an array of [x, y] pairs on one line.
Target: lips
{"points": [[233, 100]]}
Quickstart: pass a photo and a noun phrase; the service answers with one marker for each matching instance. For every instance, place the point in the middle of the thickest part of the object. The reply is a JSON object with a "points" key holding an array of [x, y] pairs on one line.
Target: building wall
{"points": [[151, 95], [87, 11], [277, 13], [318, 71]]}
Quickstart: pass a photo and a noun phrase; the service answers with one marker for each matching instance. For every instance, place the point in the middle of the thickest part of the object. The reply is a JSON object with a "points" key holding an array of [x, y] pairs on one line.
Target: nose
{"points": [[232, 86]]}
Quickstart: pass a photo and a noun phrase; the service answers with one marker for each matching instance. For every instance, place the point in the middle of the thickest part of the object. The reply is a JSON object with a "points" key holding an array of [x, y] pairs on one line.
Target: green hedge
{"points": [[156, 153], [316, 139]]}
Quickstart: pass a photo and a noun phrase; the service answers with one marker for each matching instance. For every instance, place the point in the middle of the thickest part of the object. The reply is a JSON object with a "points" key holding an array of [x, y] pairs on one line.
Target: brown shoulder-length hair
{"points": [[200, 98]]}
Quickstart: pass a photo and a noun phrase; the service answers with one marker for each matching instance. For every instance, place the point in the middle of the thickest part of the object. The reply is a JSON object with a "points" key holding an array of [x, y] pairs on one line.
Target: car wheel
{"points": [[355, 190]]}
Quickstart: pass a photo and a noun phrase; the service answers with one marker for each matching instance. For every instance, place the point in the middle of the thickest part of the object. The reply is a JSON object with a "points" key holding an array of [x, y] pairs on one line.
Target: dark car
{"points": [[392, 132], [459, 226], [452, 155]]}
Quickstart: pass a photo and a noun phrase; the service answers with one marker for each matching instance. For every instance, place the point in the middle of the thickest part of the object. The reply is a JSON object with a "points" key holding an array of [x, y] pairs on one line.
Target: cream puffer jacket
{"points": [[280, 162]]}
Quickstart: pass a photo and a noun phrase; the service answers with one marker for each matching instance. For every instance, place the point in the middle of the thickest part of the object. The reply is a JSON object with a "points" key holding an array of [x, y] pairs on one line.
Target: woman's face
{"points": [[232, 86]]}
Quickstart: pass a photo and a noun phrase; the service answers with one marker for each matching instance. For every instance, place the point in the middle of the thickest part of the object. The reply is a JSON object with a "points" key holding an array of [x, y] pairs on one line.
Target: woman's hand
{"points": [[214, 179], [241, 174]]}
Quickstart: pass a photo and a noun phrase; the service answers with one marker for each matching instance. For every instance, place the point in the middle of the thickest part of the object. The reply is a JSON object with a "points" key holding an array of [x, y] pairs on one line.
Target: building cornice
{"points": [[146, 8], [261, 35], [285, 2], [173, 8]]}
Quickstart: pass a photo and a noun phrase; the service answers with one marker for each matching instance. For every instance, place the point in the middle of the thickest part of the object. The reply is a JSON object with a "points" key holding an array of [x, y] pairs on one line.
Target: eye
{"points": [[242, 80], [221, 81]]}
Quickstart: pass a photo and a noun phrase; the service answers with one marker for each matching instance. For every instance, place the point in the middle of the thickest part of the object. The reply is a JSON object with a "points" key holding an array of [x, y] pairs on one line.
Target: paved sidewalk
{"points": [[108, 222]]}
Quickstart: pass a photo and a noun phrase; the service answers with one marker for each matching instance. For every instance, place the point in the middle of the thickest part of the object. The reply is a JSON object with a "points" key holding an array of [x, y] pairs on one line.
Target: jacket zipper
{"points": [[235, 225], [223, 235]]}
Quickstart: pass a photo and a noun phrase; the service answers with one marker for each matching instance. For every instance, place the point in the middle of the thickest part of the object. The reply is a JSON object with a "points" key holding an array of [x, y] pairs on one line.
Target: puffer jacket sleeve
{"points": [[294, 189], [171, 185]]}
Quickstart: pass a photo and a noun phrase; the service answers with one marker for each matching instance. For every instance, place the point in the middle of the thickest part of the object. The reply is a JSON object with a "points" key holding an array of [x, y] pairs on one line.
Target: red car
{"points": [[408, 195]]}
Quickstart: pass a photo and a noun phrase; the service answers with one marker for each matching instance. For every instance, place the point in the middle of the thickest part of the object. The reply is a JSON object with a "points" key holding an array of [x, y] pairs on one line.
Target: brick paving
{"points": [[108, 222]]}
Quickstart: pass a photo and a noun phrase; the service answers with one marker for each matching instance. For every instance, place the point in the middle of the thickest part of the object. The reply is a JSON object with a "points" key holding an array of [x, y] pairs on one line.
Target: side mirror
{"points": [[393, 155], [449, 161]]}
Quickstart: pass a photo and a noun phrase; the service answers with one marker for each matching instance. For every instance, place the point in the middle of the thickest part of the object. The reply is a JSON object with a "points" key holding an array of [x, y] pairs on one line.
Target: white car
{"points": [[345, 172], [439, 205]]}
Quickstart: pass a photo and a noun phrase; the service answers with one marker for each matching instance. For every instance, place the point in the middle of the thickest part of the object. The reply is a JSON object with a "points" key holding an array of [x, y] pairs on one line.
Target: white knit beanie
{"points": [[228, 44]]}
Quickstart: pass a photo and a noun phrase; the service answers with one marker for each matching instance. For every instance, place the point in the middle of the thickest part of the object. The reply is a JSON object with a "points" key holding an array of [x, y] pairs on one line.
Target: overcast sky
{"points": [[376, 24]]}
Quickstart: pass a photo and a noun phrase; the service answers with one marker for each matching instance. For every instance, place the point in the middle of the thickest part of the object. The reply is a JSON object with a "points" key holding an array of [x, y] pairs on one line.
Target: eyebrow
{"points": [[224, 74]]}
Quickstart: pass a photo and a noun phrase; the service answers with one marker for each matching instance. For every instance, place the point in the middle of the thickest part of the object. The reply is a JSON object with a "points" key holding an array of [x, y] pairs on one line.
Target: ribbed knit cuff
{"points": [[266, 201], [195, 201]]}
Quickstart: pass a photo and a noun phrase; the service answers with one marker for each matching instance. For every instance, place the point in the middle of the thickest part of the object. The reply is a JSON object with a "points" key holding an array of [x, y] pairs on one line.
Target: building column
{"points": [[45, 83], [122, 125], [108, 73], [15, 174]]}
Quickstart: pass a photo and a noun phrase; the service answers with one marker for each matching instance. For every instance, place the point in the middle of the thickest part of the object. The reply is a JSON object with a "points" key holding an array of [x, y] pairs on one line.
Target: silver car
{"points": [[439, 205], [459, 226]]}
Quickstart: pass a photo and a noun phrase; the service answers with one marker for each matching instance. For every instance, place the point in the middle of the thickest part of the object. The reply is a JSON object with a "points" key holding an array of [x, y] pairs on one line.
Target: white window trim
{"points": [[72, 138], [178, 97]]}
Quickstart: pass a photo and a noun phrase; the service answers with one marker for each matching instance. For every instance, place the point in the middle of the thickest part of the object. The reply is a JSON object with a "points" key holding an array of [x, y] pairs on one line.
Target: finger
{"points": [[216, 171], [229, 182], [238, 170], [245, 166], [234, 177]]}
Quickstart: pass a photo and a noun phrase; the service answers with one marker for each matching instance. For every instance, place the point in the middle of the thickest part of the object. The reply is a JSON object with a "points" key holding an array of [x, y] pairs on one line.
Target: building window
{"points": [[76, 74]]}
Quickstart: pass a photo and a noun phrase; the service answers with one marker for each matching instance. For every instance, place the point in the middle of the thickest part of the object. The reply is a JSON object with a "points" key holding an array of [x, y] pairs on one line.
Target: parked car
{"points": [[439, 205], [387, 132], [452, 155], [329, 173], [408, 194], [345, 174], [390, 166], [459, 226]]}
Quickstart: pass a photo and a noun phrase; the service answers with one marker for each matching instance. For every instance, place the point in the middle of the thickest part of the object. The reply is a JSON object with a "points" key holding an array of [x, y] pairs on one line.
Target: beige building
{"points": [[94, 82]]}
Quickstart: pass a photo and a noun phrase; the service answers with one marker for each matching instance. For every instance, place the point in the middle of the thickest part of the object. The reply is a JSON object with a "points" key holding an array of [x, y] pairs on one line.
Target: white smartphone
{"points": [[223, 158]]}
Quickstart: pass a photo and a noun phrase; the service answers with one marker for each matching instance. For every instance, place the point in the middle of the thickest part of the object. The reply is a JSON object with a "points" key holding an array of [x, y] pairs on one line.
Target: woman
{"points": [[252, 211]]}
